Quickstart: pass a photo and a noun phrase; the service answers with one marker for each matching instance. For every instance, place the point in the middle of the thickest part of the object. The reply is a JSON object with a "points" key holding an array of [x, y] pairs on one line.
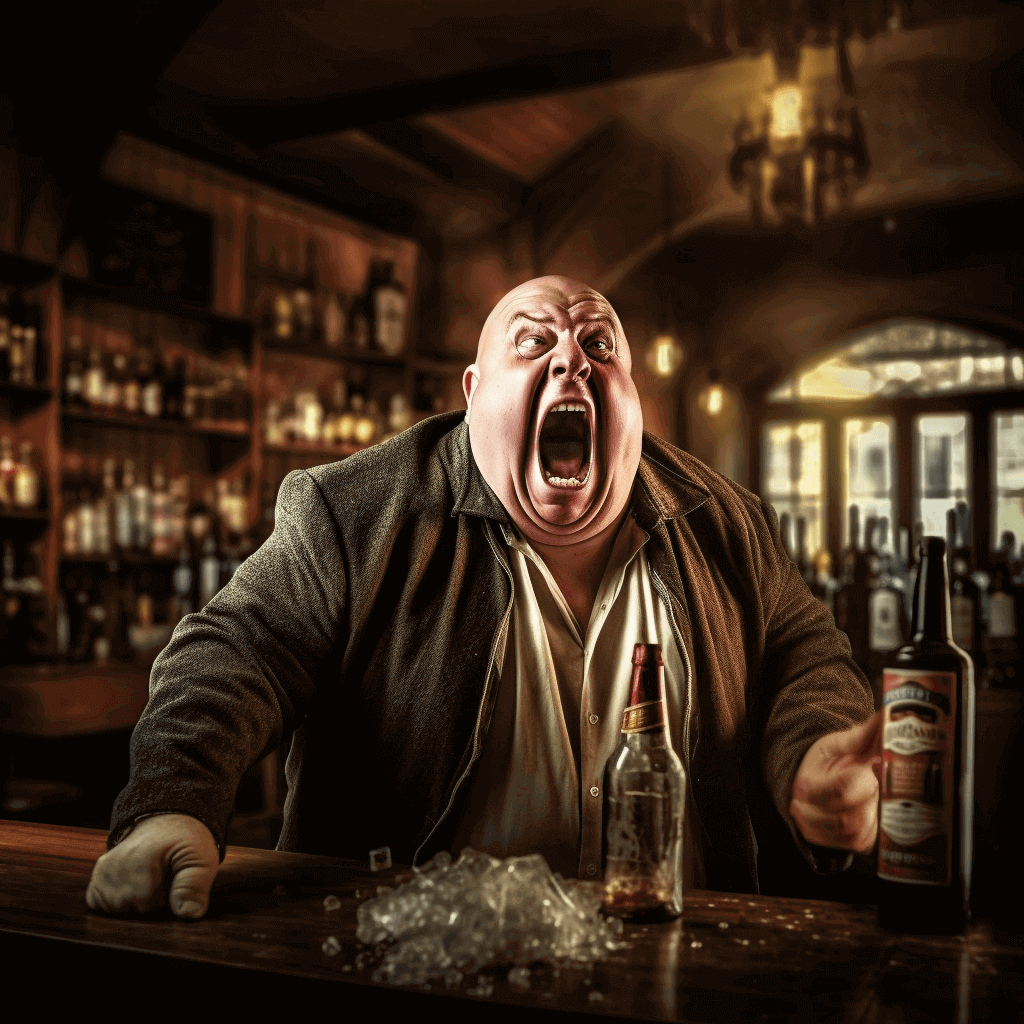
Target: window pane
{"points": [[1008, 476], [906, 358], [941, 469], [792, 479], [869, 473]]}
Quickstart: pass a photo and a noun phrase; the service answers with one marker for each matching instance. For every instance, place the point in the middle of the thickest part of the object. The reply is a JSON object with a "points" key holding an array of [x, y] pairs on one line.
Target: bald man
{"points": [[445, 623]]}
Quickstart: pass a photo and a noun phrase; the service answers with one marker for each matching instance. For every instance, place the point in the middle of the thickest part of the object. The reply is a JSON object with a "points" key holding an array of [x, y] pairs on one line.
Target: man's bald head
{"points": [[555, 422]]}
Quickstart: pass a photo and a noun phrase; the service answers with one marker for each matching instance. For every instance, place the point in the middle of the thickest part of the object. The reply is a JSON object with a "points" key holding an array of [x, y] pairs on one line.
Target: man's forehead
{"points": [[549, 301]]}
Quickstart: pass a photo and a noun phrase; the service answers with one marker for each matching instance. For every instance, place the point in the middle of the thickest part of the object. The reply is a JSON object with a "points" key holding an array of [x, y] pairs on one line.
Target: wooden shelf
{"points": [[226, 329], [23, 397], [335, 355], [139, 558], [337, 451], [27, 516], [24, 271], [131, 422]]}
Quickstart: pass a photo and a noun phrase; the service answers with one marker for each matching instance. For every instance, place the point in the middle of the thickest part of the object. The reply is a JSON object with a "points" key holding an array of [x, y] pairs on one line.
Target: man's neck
{"points": [[579, 568]]}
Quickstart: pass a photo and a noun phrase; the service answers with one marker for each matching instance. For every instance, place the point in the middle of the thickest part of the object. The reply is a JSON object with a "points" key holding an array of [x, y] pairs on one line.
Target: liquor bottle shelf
{"points": [[127, 420]]}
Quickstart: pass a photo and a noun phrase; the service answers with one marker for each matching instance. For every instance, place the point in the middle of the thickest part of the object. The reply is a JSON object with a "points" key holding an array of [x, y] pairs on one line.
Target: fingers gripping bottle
{"points": [[644, 799]]}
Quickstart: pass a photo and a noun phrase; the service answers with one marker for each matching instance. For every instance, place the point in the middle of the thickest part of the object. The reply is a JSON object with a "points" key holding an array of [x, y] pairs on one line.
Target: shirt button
{"points": [[594, 791], [603, 607], [591, 870], [593, 719]]}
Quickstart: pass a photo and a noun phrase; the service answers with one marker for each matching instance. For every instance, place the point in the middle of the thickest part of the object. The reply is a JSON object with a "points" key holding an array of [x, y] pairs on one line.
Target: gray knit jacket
{"points": [[369, 625]]}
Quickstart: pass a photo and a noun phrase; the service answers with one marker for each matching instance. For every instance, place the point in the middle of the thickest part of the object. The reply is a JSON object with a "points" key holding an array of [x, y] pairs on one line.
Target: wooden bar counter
{"points": [[260, 950]]}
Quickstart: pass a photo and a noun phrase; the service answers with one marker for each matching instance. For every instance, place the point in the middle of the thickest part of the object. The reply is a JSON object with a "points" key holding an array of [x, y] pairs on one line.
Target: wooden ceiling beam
{"points": [[264, 124]]}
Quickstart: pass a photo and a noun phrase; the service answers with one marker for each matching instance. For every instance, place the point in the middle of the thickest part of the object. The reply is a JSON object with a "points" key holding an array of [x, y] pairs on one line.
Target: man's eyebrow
{"points": [[537, 318]]}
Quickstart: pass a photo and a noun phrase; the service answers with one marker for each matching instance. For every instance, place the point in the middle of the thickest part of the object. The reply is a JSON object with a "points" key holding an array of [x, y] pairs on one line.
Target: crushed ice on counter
{"points": [[380, 859], [459, 916]]}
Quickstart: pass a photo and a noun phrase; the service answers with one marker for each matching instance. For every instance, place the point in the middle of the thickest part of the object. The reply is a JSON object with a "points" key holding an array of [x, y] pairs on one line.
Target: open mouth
{"points": [[564, 445]]}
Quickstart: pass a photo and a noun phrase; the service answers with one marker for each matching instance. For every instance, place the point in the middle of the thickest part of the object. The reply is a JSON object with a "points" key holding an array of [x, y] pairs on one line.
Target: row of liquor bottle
{"points": [[871, 597], [348, 418], [306, 315], [22, 358], [21, 483], [194, 389], [103, 612], [132, 510]]}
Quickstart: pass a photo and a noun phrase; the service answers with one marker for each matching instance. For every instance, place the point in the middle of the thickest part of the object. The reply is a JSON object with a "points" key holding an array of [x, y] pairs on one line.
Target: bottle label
{"points": [[961, 610], [644, 717], [884, 620], [915, 821], [1002, 617]]}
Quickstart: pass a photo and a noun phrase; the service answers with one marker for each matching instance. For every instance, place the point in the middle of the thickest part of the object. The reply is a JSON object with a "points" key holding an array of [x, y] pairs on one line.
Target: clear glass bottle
{"points": [[8, 467], [26, 479], [74, 372], [926, 794], [162, 539], [389, 308], [95, 384], [124, 514], [69, 525], [644, 802], [142, 508]]}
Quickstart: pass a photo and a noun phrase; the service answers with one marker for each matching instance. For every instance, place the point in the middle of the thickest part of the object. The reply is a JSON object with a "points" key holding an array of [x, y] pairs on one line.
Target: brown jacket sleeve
{"points": [[821, 690]]}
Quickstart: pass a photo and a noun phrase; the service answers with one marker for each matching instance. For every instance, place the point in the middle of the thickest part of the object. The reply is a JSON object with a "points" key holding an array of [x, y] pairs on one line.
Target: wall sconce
{"points": [[711, 399], [665, 356], [796, 167]]}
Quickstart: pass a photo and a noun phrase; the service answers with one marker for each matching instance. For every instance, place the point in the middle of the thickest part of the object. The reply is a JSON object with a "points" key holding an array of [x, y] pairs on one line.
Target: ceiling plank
{"points": [[265, 123]]}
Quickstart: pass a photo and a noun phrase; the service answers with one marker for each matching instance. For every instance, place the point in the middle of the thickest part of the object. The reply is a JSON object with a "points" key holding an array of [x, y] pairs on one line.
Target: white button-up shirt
{"points": [[558, 713]]}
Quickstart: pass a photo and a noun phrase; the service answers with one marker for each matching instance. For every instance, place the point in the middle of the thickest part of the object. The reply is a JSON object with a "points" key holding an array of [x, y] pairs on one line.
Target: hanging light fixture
{"points": [[665, 354], [800, 165], [712, 398]]}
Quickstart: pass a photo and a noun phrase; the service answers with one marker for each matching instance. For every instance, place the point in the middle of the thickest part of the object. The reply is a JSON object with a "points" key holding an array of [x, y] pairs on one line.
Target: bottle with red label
{"points": [[926, 791]]}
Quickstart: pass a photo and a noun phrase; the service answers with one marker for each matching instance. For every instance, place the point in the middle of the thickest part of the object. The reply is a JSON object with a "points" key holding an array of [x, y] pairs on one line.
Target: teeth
{"points": [[569, 407], [558, 481]]}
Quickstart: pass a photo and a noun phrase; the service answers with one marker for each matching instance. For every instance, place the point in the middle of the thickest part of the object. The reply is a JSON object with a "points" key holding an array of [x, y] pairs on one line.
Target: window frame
{"points": [[977, 406]]}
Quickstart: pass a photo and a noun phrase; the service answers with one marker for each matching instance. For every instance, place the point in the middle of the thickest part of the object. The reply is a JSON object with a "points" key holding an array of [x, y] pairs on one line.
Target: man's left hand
{"points": [[835, 793]]}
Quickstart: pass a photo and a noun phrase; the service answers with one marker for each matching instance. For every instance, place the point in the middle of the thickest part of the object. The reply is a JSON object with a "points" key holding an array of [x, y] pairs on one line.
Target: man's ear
{"points": [[470, 379]]}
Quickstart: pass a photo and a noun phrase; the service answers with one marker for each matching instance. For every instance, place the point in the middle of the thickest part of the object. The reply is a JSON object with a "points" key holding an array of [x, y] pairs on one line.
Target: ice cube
{"points": [[380, 859], [519, 976], [331, 946], [331, 903], [454, 917]]}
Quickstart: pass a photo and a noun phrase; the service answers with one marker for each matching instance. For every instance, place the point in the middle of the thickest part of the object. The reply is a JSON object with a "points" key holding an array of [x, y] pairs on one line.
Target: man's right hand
{"points": [[167, 859]]}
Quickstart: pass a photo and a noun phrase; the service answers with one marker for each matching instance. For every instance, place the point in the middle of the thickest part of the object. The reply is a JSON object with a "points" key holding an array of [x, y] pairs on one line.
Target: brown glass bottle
{"points": [[644, 794], [926, 795]]}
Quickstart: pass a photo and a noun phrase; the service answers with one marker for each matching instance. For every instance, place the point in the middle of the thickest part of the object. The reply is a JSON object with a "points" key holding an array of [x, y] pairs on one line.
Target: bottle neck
{"points": [[931, 619]]}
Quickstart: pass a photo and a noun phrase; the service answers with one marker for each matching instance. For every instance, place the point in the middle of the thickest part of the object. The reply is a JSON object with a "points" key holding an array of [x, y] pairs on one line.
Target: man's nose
{"points": [[569, 359]]}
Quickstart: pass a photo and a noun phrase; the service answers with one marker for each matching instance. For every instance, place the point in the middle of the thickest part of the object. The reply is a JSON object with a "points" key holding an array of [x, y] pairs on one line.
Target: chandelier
{"points": [[798, 166], [797, 159]]}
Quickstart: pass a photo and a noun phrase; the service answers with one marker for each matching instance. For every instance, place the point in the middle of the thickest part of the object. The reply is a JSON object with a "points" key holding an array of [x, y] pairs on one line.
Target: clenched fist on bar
{"points": [[166, 860]]}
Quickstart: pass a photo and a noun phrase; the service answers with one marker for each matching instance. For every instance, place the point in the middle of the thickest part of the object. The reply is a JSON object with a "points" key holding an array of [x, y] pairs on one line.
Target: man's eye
{"points": [[599, 344], [530, 344]]}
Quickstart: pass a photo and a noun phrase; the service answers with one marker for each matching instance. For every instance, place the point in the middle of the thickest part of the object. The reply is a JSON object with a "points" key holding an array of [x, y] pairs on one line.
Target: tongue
{"points": [[564, 458]]}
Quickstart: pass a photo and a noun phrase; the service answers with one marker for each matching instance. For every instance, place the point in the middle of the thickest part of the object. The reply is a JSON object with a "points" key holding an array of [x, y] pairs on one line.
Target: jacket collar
{"points": [[664, 489]]}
